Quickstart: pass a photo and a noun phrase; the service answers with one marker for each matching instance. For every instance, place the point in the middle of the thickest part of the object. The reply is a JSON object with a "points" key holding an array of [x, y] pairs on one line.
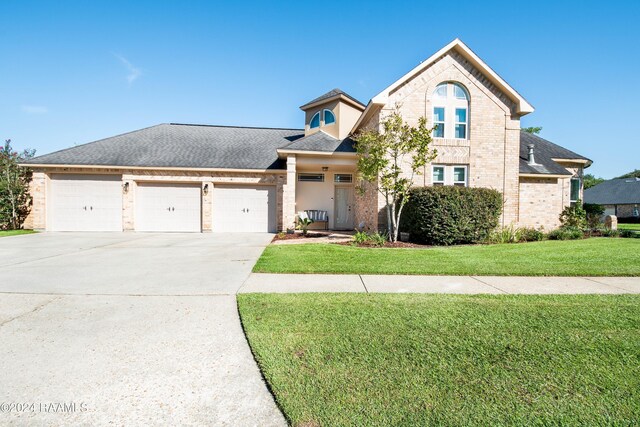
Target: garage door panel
{"points": [[168, 207], [244, 209], [86, 203]]}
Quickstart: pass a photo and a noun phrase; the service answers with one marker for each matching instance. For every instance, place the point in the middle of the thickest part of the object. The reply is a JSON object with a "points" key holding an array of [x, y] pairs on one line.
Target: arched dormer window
{"points": [[450, 111], [315, 121], [329, 117]]}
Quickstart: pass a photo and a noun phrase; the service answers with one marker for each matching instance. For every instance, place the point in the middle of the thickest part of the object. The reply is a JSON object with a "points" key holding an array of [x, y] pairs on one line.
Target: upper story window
{"points": [[329, 117], [450, 111], [315, 121]]}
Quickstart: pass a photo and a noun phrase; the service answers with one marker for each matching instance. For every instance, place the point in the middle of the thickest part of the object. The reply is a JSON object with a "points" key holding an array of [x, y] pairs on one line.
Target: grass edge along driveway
{"points": [[383, 359], [588, 257], [7, 233]]}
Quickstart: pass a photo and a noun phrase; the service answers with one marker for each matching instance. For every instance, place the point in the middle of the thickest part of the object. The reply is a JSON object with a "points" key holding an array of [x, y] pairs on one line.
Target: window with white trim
{"points": [[450, 111], [449, 175], [311, 177]]}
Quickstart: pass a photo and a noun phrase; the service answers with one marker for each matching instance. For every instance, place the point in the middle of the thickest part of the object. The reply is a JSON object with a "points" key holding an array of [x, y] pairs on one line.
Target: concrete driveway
{"points": [[128, 329]]}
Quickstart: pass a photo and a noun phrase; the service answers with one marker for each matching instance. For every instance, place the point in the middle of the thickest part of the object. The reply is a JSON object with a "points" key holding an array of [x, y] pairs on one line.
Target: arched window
{"points": [[315, 121], [329, 117], [450, 111]]}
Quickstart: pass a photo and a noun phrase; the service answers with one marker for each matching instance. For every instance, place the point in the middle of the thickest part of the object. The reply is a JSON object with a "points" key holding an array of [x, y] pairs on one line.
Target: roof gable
{"points": [[522, 106], [332, 95]]}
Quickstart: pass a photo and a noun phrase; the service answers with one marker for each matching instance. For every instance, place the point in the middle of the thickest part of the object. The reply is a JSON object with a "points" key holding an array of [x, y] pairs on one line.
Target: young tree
{"points": [[382, 155], [15, 200]]}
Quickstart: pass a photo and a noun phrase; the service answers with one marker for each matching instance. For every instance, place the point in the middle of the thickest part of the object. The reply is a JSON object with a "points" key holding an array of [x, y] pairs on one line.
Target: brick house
{"points": [[177, 177], [620, 197]]}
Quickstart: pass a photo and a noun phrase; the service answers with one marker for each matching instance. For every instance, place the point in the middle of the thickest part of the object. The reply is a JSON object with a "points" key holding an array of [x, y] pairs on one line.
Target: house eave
{"points": [[285, 152], [543, 175], [341, 97], [160, 168], [585, 162]]}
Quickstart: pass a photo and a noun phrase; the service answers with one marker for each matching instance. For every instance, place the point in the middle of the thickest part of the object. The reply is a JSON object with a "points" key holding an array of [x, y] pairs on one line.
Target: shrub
{"points": [[528, 234], [566, 233], [574, 216], [303, 224], [593, 214], [378, 239], [607, 232], [361, 237], [450, 215], [629, 233]]}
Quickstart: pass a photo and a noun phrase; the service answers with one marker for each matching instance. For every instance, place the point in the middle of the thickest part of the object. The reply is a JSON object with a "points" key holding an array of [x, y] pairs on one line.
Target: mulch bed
{"points": [[297, 236], [386, 245]]}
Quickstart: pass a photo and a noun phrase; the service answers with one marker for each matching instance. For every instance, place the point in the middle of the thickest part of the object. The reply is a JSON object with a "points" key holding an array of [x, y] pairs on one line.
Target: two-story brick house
{"points": [[176, 177]]}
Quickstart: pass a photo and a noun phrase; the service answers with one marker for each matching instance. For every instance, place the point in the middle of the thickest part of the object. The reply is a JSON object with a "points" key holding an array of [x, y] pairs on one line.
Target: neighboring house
{"points": [[620, 197], [178, 177]]}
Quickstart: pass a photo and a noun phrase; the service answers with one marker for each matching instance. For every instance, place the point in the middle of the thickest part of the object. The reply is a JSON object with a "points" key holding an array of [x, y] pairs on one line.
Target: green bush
{"points": [[449, 215], [566, 233], [378, 239], [629, 233], [593, 214], [360, 238], [528, 234], [607, 232], [574, 216]]}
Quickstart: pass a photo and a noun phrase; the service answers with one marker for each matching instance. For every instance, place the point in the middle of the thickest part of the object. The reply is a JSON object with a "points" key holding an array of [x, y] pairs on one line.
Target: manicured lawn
{"points": [[453, 360], [589, 257], [635, 227], [15, 232]]}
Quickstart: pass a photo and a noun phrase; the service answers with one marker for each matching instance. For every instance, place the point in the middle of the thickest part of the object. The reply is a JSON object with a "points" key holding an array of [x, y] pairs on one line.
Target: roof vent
{"points": [[531, 157]]}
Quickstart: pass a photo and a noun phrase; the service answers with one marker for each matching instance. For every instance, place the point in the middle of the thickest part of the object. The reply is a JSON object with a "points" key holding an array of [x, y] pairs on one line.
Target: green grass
{"points": [[8, 233], [634, 227], [589, 257], [413, 360]]}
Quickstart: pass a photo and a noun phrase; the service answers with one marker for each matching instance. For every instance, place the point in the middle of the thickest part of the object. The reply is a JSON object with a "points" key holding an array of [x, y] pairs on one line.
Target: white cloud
{"points": [[35, 109], [134, 72]]}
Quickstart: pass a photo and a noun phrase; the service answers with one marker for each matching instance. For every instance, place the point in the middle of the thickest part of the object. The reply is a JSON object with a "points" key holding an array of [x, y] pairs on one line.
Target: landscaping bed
{"points": [[586, 257], [344, 359]]}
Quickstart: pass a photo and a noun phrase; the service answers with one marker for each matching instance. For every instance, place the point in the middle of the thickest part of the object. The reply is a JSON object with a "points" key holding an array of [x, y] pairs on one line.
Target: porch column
{"points": [[289, 195]]}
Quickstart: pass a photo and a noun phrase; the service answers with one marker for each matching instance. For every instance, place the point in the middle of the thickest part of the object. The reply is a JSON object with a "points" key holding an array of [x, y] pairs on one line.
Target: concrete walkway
{"points": [[296, 283]]}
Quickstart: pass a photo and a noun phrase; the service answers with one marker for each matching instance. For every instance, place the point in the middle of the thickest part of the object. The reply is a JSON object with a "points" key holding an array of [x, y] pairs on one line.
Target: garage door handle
{"points": [[173, 209], [85, 208], [91, 208], [244, 210]]}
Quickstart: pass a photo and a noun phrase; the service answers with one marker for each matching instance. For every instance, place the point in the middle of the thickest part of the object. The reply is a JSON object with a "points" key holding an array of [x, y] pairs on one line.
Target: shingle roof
{"points": [[619, 191], [544, 152], [182, 145], [321, 141], [331, 94]]}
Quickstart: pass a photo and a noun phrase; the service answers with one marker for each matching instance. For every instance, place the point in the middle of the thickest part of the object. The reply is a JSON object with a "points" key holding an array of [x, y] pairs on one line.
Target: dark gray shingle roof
{"points": [[180, 145], [331, 94], [321, 141], [619, 191], [544, 152]]}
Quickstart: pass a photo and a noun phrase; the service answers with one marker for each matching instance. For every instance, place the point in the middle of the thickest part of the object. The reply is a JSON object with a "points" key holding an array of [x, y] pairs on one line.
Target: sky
{"points": [[72, 72]]}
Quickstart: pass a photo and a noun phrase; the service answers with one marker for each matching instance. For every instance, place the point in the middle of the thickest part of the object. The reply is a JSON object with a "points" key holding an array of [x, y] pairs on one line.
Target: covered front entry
{"points": [[241, 208], [168, 207], [343, 209], [85, 202]]}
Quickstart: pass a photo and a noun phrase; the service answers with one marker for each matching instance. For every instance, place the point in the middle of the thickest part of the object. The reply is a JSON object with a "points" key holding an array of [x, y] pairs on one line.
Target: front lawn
{"points": [[8, 233], [634, 227], [589, 257], [382, 359]]}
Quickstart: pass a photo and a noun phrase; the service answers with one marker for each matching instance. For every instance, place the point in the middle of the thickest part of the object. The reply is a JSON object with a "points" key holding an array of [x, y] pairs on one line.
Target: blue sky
{"points": [[74, 72]]}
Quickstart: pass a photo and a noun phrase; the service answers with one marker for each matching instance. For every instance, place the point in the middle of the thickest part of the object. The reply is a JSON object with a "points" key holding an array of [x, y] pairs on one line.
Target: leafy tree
{"points": [[634, 174], [382, 156], [15, 200], [589, 181], [533, 129]]}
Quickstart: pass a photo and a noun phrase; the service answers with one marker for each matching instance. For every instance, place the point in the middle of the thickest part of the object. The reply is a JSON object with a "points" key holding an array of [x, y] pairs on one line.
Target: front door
{"points": [[343, 208]]}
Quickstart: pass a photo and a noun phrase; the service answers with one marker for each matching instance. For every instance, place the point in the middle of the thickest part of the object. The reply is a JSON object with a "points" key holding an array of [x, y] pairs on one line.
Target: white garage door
{"points": [[86, 203], [244, 209], [167, 207]]}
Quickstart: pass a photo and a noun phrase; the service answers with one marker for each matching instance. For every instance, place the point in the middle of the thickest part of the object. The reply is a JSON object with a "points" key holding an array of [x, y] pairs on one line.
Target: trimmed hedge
{"points": [[448, 215]]}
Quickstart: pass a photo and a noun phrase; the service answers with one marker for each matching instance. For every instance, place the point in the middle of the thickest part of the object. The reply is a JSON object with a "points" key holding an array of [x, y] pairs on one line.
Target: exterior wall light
{"points": [[205, 189], [125, 188], [325, 168]]}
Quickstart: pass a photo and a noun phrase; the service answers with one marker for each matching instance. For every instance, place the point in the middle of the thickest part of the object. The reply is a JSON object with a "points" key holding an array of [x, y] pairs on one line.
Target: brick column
{"points": [[289, 195], [511, 171], [207, 207], [128, 203], [37, 218]]}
